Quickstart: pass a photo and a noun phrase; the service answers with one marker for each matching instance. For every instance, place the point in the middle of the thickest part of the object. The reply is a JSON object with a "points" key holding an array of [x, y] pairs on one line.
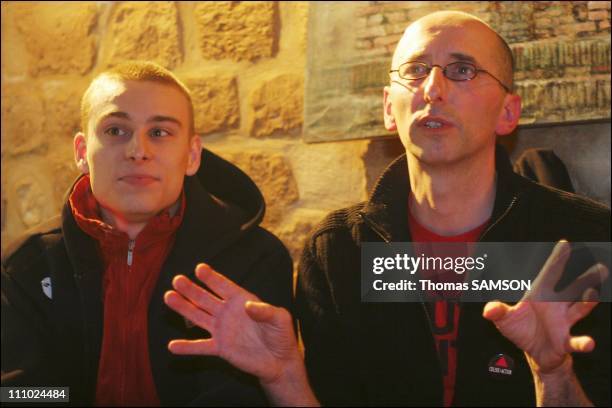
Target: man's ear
{"points": [[509, 116], [80, 152], [195, 154], [388, 111]]}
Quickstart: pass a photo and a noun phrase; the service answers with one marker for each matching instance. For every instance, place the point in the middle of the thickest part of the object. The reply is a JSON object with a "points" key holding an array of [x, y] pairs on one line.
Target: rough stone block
{"points": [[274, 177], [297, 230], [237, 30], [15, 57], [54, 33], [216, 103], [295, 19], [376, 19], [144, 31], [23, 116], [64, 173], [62, 102], [330, 175], [363, 44], [277, 106], [29, 188]]}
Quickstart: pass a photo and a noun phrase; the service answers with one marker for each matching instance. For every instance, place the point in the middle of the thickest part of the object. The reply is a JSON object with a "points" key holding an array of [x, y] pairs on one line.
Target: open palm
{"points": [[542, 328], [253, 336]]}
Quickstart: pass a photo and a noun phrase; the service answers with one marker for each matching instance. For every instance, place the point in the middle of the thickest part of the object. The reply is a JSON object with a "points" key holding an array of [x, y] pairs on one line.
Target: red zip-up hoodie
{"points": [[131, 269]]}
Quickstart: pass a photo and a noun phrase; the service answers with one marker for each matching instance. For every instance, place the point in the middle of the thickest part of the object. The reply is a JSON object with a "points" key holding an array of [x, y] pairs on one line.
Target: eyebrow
{"points": [[162, 118], [120, 115], [456, 55], [156, 118], [463, 57]]}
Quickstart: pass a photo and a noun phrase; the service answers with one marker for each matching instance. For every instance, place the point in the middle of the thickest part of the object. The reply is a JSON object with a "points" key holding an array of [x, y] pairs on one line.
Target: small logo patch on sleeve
{"points": [[501, 365], [46, 287]]}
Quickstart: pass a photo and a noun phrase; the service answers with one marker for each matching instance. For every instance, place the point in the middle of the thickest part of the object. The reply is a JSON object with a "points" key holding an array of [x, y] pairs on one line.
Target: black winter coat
{"points": [[383, 354]]}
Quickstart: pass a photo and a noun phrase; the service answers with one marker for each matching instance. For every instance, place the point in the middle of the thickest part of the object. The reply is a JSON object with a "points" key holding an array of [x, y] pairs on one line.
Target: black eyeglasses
{"points": [[455, 71]]}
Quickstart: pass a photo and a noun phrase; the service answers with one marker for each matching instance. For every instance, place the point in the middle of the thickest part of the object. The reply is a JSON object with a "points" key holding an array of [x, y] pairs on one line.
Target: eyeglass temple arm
{"points": [[493, 76]]}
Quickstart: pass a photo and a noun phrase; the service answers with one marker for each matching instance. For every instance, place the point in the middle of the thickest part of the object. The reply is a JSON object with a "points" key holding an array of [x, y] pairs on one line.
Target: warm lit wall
{"points": [[245, 63]]}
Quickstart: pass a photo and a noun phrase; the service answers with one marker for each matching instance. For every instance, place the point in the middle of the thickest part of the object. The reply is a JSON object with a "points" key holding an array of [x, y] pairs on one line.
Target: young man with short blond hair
{"points": [[83, 297]]}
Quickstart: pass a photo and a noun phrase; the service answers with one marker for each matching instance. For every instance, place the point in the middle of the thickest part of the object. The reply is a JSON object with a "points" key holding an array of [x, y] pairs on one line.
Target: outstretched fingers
{"points": [[193, 347], [553, 268], [581, 309], [197, 295], [188, 310], [592, 278], [580, 344], [216, 282]]}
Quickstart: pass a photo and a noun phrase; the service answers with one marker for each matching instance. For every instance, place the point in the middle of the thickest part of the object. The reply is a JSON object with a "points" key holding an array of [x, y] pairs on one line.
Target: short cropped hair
{"points": [[136, 71]]}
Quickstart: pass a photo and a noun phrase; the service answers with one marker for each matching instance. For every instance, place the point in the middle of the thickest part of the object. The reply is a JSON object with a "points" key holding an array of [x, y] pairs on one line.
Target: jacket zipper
{"points": [[501, 217], [374, 227], [130, 259], [130, 253], [382, 235]]}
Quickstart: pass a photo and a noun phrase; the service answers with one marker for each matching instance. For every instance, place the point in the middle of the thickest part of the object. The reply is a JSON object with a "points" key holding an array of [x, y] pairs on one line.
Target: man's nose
{"points": [[435, 86], [139, 146]]}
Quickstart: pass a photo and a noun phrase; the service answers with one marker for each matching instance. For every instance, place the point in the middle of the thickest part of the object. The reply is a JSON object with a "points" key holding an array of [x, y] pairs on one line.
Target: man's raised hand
{"points": [[253, 336], [542, 328]]}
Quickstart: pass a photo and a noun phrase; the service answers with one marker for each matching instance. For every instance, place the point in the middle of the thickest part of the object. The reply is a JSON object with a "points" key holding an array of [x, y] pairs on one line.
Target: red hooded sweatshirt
{"points": [[131, 269]]}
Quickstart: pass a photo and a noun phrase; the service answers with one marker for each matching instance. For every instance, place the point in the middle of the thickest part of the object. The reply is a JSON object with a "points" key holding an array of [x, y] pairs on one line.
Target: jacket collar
{"points": [[386, 212], [86, 212], [221, 204]]}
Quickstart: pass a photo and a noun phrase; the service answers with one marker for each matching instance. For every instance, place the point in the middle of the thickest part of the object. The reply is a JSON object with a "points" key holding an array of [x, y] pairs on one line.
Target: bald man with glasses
{"points": [[450, 95]]}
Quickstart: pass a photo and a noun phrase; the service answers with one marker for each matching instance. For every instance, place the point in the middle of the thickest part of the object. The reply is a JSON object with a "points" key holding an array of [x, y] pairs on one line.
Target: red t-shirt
{"points": [[131, 269], [445, 313]]}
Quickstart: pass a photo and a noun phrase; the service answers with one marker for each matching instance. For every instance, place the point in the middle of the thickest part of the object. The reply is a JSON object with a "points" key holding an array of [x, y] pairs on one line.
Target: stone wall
{"points": [[245, 63]]}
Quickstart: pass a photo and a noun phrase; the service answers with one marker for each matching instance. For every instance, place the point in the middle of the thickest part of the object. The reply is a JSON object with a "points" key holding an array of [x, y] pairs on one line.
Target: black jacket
{"points": [[57, 342], [384, 353], [545, 167]]}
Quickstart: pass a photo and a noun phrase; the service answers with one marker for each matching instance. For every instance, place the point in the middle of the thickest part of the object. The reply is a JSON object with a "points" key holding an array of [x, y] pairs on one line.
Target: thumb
{"points": [[265, 313], [495, 311], [260, 311]]}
